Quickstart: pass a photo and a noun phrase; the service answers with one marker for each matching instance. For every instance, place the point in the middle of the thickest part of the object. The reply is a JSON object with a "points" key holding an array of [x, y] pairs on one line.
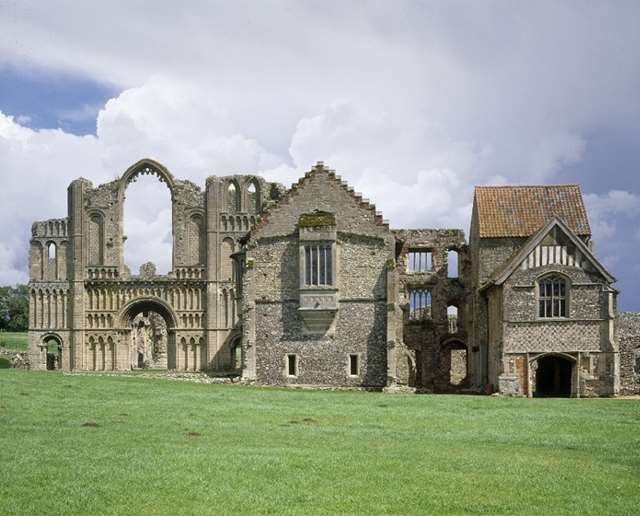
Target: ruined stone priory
{"points": [[310, 286]]}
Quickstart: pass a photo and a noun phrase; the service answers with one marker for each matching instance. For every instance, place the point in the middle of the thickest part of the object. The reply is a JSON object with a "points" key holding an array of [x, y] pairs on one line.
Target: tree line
{"points": [[14, 308]]}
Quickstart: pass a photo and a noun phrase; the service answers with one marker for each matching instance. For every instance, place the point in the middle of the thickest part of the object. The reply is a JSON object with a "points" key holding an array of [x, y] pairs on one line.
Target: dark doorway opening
{"points": [[54, 354], [553, 377]]}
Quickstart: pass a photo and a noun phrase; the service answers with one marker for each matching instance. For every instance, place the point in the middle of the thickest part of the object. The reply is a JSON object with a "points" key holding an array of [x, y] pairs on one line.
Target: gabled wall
{"points": [[272, 321]]}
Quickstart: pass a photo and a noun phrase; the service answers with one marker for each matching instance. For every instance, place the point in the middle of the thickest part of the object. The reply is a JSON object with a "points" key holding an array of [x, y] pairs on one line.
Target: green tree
{"points": [[14, 308]]}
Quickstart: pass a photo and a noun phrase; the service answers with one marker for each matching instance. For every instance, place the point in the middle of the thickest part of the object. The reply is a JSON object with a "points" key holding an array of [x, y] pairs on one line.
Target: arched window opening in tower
{"points": [[232, 198], [252, 197]]}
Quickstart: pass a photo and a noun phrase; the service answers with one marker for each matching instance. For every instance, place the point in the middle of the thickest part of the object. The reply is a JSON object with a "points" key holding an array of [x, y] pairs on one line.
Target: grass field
{"points": [[11, 340], [130, 445]]}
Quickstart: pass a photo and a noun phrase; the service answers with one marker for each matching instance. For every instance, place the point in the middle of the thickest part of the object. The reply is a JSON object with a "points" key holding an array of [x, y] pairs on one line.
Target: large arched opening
{"points": [[149, 326], [553, 376], [52, 349], [146, 216]]}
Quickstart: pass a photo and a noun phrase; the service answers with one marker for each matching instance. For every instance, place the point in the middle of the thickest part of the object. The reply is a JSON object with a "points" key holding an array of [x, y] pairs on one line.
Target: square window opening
{"points": [[420, 261]]}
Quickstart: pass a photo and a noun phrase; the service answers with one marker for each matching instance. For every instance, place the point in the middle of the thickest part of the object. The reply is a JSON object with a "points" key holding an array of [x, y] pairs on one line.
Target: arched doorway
{"points": [[453, 366], [553, 376], [149, 325], [52, 347]]}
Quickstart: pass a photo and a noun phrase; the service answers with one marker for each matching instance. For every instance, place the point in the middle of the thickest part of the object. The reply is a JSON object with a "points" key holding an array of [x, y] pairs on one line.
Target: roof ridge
{"points": [[577, 185]]}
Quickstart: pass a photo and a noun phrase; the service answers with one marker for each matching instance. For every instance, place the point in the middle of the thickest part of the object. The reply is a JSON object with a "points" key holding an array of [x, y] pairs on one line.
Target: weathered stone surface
{"points": [[629, 338], [242, 297]]}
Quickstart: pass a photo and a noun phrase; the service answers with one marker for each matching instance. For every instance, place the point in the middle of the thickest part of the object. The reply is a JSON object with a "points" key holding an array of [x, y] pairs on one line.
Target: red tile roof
{"points": [[520, 211]]}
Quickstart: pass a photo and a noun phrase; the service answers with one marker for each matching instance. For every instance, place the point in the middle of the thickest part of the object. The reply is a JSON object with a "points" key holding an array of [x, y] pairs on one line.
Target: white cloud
{"points": [[411, 102]]}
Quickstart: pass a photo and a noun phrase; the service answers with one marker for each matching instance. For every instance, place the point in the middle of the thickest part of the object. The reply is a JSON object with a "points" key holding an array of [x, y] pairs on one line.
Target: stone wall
{"points": [[629, 342], [583, 337], [430, 338], [273, 324]]}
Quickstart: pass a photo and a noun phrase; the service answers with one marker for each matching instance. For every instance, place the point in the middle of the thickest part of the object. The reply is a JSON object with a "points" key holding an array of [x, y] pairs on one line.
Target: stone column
{"points": [[76, 200], [212, 201]]}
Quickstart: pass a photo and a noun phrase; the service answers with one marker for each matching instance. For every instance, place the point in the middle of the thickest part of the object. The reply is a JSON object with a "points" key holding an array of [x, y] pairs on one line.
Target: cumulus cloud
{"points": [[412, 102]]}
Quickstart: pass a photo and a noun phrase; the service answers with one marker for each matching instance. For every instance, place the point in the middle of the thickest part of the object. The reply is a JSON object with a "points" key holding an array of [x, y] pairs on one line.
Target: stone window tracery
{"points": [[318, 265], [419, 304], [420, 260], [552, 297]]}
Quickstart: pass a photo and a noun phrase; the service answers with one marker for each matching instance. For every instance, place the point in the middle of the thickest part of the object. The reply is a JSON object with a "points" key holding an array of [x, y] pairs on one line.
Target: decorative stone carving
{"points": [[147, 270]]}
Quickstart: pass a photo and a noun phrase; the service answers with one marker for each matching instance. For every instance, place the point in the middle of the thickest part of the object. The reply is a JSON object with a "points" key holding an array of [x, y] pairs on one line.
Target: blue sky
{"points": [[51, 99], [412, 102]]}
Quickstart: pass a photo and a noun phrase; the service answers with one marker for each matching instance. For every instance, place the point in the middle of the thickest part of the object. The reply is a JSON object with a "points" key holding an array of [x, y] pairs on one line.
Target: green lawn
{"points": [[11, 340], [129, 445]]}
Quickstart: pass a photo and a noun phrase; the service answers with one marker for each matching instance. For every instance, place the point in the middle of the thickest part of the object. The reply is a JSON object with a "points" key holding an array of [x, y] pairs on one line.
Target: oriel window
{"points": [[318, 265]]}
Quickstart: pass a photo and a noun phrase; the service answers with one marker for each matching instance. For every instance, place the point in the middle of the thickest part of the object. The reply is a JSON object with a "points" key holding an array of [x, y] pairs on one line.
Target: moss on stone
{"points": [[317, 219]]}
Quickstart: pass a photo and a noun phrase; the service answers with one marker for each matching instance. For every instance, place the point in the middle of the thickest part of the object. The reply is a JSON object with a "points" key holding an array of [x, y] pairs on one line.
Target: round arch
{"points": [[147, 304], [52, 358]]}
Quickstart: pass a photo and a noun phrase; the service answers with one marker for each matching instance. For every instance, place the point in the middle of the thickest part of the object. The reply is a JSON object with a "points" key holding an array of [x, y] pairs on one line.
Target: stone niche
{"points": [[318, 265]]}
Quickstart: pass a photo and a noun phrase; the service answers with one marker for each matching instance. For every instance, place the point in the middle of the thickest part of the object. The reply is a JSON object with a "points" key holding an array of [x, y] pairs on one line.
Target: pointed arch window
{"points": [[419, 304], [232, 197], [552, 297], [253, 197]]}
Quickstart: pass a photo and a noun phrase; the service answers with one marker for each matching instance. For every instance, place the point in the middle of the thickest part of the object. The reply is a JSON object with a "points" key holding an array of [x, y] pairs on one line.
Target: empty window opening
{"points": [[452, 318], [51, 250], [458, 369], [553, 377], [452, 264], [552, 297], [318, 265], [354, 365], [419, 304], [252, 197], [292, 365], [420, 261], [232, 198], [148, 224]]}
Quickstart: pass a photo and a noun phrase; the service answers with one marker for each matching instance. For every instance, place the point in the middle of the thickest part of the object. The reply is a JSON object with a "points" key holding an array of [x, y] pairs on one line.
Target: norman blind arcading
{"points": [[318, 265]]}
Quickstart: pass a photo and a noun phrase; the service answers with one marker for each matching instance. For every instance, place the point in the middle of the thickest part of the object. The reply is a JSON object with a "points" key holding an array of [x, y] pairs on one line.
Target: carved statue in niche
{"points": [[149, 341]]}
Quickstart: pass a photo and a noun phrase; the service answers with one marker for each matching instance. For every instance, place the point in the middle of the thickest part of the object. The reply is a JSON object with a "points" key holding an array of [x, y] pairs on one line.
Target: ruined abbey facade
{"points": [[311, 286]]}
